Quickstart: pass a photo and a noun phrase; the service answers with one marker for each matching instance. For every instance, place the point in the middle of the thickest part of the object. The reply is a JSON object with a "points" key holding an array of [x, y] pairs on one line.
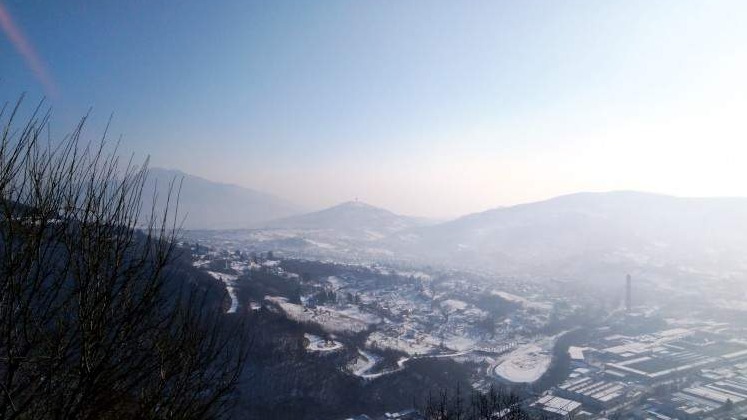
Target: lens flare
{"points": [[27, 51]]}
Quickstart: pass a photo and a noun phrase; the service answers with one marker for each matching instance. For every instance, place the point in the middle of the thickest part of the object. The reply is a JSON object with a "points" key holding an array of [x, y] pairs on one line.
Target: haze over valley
{"points": [[373, 210], [583, 236]]}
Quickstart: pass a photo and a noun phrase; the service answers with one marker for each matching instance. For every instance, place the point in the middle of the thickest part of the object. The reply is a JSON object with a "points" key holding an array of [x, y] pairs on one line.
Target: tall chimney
{"points": [[627, 293]]}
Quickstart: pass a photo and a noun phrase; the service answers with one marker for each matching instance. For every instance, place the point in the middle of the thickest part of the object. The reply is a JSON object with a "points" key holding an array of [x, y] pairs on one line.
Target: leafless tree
{"points": [[496, 403], [92, 322]]}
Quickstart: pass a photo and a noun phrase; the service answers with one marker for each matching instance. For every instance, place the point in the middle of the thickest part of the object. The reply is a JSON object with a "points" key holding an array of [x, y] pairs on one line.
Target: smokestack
{"points": [[627, 293]]}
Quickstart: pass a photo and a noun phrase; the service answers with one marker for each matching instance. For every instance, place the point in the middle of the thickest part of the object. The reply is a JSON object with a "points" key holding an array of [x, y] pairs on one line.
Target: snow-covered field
{"points": [[318, 344], [319, 244], [415, 274], [521, 300], [458, 342], [453, 305], [525, 364], [332, 320], [353, 312], [415, 345]]}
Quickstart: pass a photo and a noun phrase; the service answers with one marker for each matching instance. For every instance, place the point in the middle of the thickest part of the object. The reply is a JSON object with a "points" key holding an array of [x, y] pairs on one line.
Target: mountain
{"points": [[592, 234], [212, 205], [352, 219]]}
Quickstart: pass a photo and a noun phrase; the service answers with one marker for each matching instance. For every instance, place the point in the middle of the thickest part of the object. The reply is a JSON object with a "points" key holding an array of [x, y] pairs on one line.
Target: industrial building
{"points": [[553, 407], [594, 394]]}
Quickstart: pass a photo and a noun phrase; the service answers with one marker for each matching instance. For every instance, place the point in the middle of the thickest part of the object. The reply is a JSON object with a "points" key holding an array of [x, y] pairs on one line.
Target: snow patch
{"points": [[319, 344], [229, 280], [526, 364]]}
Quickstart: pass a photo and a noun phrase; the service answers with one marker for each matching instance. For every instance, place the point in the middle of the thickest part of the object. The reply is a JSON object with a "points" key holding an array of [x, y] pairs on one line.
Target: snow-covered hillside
{"points": [[206, 204], [592, 234], [350, 220], [585, 236]]}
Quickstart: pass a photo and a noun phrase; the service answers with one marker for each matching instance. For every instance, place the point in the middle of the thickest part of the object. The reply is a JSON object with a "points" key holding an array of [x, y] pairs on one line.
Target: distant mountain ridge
{"points": [[592, 233], [214, 205], [582, 235], [352, 218]]}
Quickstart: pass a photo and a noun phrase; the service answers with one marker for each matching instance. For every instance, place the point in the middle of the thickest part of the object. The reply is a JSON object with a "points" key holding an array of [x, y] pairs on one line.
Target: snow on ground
{"points": [[508, 296], [318, 344], [335, 282], [293, 311], [366, 361], [319, 244], [354, 312], [417, 344], [523, 301], [526, 364], [453, 305], [229, 280], [239, 266], [363, 363], [378, 251], [373, 235], [476, 312], [200, 262], [458, 343], [331, 320], [528, 361], [403, 361], [419, 275]]}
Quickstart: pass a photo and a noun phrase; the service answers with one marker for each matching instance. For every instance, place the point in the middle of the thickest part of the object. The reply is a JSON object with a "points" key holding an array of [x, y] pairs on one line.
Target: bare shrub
{"points": [[91, 325]]}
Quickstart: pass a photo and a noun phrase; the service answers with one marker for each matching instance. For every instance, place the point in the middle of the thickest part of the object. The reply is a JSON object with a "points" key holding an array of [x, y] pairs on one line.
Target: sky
{"points": [[429, 108]]}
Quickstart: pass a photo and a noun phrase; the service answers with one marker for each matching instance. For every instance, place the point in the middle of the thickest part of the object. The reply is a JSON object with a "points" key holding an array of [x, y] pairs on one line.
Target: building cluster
{"points": [[553, 407], [677, 373], [716, 393]]}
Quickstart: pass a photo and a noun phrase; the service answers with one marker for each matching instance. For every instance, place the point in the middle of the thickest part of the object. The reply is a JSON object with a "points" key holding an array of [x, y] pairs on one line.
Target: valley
{"points": [[376, 314]]}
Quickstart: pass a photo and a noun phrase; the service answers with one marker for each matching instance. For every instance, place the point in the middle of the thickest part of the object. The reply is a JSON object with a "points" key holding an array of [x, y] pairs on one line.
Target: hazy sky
{"points": [[424, 107]]}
